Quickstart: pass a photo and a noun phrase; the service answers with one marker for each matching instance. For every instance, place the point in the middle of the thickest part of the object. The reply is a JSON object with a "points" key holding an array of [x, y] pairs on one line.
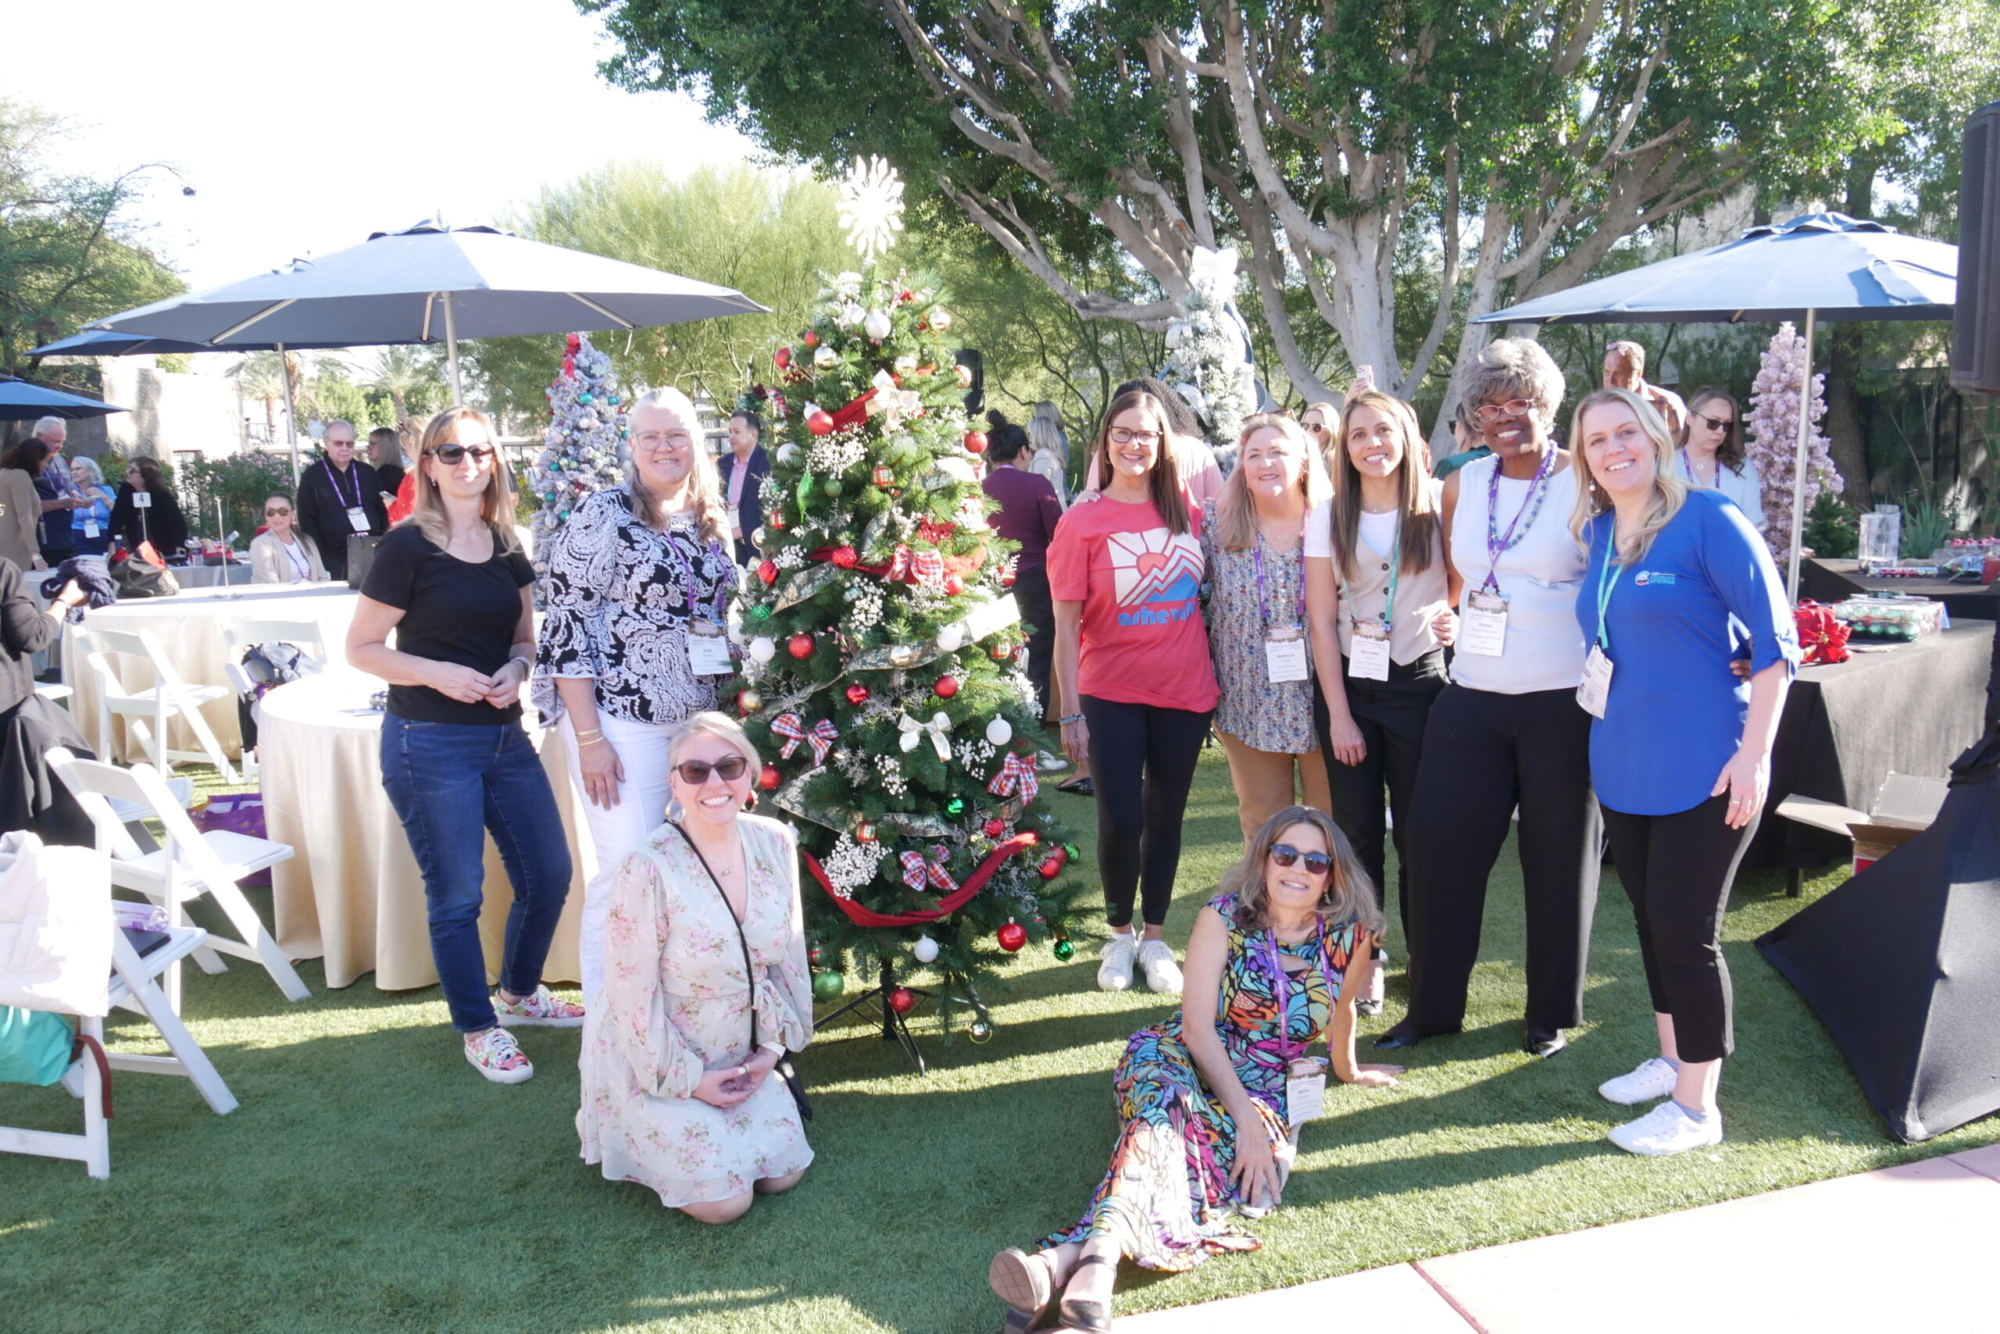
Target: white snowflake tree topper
{"points": [[871, 206]]}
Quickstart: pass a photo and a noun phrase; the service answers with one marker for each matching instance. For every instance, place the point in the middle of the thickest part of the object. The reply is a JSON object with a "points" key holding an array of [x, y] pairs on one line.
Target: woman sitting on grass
{"points": [[1278, 941]]}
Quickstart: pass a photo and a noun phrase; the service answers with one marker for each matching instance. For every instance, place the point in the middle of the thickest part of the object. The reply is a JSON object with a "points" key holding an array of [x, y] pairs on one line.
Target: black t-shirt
{"points": [[453, 611]]}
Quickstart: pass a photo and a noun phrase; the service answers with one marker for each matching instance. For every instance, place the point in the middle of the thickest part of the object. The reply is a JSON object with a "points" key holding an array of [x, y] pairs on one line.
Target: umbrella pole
{"points": [[451, 351], [291, 414], [1799, 460]]}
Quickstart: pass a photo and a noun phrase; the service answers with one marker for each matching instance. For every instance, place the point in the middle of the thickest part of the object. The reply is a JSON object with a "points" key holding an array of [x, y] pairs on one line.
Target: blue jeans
{"points": [[451, 784]]}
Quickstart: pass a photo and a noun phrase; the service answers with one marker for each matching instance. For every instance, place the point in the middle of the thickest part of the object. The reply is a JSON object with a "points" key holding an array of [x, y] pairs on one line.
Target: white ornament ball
{"points": [[939, 319], [852, 315], [906, 364], [925, 950], [877, 326], [762, 649], [787, 452], [951, 638], [824, 356], [999, 731]]}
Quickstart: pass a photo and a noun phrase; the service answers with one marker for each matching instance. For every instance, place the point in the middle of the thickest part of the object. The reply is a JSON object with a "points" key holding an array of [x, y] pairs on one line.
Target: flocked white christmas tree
{"points": [[1772, 436], [1207, 350], [583, 448]]}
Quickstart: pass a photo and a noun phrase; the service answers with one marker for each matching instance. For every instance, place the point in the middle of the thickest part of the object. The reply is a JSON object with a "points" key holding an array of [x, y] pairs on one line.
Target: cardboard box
{"points": [[1904, 807]]}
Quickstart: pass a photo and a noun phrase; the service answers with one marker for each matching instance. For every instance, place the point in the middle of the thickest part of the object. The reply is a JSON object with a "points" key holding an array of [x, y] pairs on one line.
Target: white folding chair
{"points": [[192, 863], [167, 698], [305, 635]]}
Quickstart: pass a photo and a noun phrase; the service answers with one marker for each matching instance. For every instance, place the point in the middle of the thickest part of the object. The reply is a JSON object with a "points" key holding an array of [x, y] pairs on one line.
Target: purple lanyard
{"points": [[1281, 987], [1497, 544], [1263, 605], [334, 478], [687, 578]]}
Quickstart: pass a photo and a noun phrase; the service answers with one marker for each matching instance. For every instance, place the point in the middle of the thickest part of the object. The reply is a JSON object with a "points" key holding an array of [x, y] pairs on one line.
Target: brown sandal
{"points": [[1086, 1317], [1025, 1283]]}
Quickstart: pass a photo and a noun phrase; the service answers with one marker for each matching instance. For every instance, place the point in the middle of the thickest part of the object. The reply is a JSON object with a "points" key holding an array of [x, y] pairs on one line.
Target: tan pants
{"points": [[1268, 781]]}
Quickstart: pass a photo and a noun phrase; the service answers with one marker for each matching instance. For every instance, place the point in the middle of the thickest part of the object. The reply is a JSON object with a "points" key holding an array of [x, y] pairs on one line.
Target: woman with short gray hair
{"points": [[638, 588]]}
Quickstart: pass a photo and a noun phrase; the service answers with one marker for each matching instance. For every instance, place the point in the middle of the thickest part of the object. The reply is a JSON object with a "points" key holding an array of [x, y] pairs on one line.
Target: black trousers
{"points": [[1484, 754], [1393, 716], [1031, 595], [1677, 870], [1142, 760]]}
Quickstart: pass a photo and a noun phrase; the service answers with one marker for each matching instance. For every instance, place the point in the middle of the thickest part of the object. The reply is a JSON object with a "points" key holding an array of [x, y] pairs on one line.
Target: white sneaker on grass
{"points": [[495, 1054], [1162, 973], [1115, 973], [1653, 1079], [1667, 1130]]}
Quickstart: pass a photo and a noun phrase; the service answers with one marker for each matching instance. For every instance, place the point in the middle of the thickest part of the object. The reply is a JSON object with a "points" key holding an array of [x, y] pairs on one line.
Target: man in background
{"points": [[339, 497], [1625, 368], [744, 469], [58, 493]]}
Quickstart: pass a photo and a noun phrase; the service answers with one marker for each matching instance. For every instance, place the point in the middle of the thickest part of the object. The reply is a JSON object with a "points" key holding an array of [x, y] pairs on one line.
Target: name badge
{"points": [[1482, 624], [1305, 1092], [1595, 688], [1285, 655], [1368, 652], [357, 519], [708, 650], [90, 528], [142, 500]]}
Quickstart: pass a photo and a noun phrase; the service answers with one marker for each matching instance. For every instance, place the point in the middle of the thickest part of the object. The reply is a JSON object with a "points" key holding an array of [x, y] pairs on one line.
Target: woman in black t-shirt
{"points": [[454, 587]]}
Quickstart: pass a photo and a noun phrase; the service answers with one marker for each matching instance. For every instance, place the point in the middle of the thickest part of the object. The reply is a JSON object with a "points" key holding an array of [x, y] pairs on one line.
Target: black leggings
{"points": [[1677, 870], [1142, 760]]}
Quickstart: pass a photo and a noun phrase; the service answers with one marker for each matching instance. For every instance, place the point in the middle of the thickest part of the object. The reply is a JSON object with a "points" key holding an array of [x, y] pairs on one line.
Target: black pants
{"points": [[1485, 753], [1142, 760], [1677, 870], [1393, 716], [1031, 595]]}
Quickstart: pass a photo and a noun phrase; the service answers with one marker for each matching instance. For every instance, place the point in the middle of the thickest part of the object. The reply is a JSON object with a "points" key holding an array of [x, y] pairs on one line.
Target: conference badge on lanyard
{"points": [[1594, 691], [1482, 624], [90, 529], [1368, 652], [708, 649], [1285, 654], [357, 519], [1305, 1091]]}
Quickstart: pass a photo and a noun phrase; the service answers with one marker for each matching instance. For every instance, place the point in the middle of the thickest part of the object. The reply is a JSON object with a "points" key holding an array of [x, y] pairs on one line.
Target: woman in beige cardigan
{"points": [[20, 506], [281, 554]]}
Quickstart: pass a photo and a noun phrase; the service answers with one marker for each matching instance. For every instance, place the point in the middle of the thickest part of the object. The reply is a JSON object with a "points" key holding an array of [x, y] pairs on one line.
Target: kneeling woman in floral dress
{"points": [[705, 989], [1270, 961]]}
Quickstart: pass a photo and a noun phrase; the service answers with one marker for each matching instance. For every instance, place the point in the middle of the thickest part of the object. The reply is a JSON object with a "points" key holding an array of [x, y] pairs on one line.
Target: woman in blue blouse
{"points": [[1680, 746]]}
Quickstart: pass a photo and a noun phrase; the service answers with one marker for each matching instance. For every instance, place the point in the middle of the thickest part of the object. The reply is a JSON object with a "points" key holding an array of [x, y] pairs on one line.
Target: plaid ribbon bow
{"points": [[821, 737], [1016, 775], [916, 872]]}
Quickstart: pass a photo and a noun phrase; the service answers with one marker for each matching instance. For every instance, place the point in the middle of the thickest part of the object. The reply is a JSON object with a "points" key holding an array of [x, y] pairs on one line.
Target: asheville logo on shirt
{"points": [[1645, 577], [1156, 572]]}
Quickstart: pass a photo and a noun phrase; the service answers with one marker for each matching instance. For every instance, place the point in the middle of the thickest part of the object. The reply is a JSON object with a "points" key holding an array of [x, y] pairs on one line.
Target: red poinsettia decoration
{"points": [[1822, 635]]}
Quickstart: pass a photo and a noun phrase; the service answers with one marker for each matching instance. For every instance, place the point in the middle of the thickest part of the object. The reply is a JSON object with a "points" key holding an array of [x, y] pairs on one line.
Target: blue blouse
{"points": [[1676, 712]]}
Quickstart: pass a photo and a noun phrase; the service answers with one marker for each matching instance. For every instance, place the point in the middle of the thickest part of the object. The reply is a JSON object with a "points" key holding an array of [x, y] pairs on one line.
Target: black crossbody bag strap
{"points": [[784, 1068]]}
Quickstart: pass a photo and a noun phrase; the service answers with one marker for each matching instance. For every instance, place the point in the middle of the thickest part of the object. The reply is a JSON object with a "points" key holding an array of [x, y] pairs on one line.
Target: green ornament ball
{"points": [[832, 486], [1065, 950], [828, 986], [956, 806], [760, 612]]}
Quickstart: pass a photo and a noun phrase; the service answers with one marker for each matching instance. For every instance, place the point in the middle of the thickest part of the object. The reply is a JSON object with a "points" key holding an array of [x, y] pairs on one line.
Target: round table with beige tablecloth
{"points": [[352, 895], [189, 626]]}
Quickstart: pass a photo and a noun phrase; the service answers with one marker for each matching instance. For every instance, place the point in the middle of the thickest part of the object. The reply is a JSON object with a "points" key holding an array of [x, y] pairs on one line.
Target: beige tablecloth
{"points": [[189, 626], [352, 894]]}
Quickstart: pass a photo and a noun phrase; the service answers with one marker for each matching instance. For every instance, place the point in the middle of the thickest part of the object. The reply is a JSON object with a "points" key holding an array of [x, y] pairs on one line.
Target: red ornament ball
{"points": [[975, 442], [946, 686], [995, 828], [770, 778], [902, 1000], [953, 585], [845, 557], [864, 832], [810, 339], [782, 358], [1012, 936], [1002, 652], [1051, 868], [857, 694], [749, 702], [820, 423], [768, 571], [800, 646]]}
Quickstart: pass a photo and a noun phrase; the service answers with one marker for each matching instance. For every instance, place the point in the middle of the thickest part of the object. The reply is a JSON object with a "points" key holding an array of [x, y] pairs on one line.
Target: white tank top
{"points": [[1539, 576]]}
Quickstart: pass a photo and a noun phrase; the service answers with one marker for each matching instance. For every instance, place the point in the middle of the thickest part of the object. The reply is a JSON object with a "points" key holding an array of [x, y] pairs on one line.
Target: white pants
{"points": [[642, 806]]}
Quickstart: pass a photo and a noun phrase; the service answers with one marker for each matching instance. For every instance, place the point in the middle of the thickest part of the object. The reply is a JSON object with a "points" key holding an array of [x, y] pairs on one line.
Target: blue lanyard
{"points": [[1263, 606], [1395, 573], [1607, 584], [1281, 987]]}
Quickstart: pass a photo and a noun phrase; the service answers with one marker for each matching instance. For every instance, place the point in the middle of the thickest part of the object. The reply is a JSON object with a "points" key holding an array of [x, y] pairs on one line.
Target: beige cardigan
{"points": [[20, 511], [270, 565]]}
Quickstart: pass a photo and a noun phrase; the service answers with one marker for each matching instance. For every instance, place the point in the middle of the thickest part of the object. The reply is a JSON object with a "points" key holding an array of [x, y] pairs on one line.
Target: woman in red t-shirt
{"points": [[1133, 673]]}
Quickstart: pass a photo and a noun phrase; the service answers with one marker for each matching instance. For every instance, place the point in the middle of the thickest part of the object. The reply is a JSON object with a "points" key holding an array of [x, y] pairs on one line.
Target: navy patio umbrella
{"points": [[21, 401], [1813, 267]]}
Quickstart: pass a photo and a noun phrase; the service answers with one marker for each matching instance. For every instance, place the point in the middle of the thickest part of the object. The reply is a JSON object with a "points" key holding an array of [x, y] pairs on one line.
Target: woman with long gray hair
{"points": [[638, 592]]}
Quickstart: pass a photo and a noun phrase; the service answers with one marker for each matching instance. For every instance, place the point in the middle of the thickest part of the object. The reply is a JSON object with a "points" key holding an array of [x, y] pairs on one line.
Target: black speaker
{"points": [[1975, 334], [975, 394]]}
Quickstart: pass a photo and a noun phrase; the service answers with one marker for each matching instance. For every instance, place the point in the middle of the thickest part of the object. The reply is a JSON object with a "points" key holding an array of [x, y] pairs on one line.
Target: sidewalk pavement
{"points": [[1908, 1248]]}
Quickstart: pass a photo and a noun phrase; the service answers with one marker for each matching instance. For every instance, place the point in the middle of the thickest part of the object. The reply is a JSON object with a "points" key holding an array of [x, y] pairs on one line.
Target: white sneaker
{"points": [[1162, 973], [1050, 764], [1667, 1130], [495, 1054], [1115, 973], [1653, 1079]]}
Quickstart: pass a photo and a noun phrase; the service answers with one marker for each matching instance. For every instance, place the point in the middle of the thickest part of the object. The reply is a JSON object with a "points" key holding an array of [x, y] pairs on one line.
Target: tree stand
{"points": [[894, 1029]]}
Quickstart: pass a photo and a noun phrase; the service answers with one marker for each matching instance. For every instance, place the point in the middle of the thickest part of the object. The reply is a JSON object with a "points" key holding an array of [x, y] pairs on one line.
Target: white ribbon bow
{"points": [[939, 728]]}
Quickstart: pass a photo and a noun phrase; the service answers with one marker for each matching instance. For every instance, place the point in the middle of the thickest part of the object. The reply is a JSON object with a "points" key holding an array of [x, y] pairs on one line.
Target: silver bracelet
{"points": [[1073, 718]]}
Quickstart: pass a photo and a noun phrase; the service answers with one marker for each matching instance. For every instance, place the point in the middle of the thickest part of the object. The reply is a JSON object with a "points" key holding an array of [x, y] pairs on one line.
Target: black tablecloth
{"points": [[1913, 710], [1833, 580]]}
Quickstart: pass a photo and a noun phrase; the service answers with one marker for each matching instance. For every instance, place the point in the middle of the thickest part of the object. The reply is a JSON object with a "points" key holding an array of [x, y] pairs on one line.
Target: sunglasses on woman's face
{"points": [[695, 772], [1715, 423], [450, 455], [1287, 856], [276, 513]]}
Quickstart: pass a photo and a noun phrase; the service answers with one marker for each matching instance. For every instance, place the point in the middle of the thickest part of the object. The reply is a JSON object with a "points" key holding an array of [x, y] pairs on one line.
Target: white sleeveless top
{"points": [[1540, 576]]}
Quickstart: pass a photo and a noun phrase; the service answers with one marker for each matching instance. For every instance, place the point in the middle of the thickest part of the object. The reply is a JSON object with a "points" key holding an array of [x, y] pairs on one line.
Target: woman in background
{"points": [[21, 504], [159, 520], [1028, 514], [1050, 444], [90, 525], [1711, 453], [385, 454], [281, 554]]}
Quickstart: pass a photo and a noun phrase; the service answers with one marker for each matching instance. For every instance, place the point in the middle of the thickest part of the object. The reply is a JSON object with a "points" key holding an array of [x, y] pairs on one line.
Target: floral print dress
{"points": [[1167, 1197], [676, 1003]]}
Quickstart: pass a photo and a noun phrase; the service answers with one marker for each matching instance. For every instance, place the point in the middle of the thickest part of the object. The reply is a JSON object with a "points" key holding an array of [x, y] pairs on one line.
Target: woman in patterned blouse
{"points": [[639, 583]]}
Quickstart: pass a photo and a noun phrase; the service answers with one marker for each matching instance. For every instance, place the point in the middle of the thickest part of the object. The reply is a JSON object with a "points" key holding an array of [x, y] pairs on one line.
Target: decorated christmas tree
{"points": [[581, 449], [1772, 436], [882, 670], [1208, 349]]}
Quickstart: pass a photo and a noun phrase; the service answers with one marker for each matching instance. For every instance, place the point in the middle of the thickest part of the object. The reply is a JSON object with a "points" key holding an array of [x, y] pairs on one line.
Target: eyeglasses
{"points": [[1317, 863], [673, 440], [1513, 407], [1714, 423], [276, 514], [1121, 435], [450, 455], [695, 772]]}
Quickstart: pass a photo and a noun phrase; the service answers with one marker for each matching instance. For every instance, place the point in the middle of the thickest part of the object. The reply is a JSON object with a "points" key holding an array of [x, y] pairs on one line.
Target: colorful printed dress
{"points": [[1167, 1197]]}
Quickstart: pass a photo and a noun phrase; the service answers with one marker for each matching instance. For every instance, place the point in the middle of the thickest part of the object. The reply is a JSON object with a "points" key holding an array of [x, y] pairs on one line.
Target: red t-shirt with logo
{"points": [[1143, 641]]}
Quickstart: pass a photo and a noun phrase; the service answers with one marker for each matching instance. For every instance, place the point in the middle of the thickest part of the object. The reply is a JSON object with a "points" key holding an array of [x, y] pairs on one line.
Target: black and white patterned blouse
{"points": [[618, 610]]}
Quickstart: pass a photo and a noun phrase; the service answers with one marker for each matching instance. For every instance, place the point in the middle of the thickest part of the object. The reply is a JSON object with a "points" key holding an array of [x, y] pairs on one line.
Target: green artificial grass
{"points": [[371, 1181]]}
